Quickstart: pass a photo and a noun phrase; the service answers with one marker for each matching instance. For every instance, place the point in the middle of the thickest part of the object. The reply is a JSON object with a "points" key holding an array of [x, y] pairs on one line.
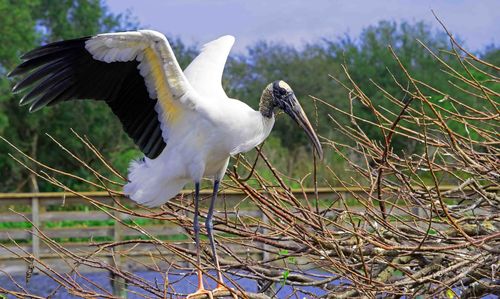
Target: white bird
{"points": [[183, 122]]}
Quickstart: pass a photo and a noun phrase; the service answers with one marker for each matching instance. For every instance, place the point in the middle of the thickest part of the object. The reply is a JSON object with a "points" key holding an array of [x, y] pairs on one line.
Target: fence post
{"points": [[118, 283], [35, 219]]}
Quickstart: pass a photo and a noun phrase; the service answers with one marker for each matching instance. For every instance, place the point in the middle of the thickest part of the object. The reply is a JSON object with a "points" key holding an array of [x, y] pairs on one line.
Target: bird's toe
{"points": [[221, 290], [200, 294]]}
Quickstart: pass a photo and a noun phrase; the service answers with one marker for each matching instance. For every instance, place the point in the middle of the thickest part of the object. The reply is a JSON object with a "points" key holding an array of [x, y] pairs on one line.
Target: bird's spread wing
{"points": [[135, 73], [205, 71]]}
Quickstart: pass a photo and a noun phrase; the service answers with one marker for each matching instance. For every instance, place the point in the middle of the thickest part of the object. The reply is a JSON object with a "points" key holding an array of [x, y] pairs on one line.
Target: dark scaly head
{"points": [[279, 95]]}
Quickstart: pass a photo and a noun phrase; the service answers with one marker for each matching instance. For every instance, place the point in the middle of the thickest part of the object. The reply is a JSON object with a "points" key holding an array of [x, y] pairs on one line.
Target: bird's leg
{"points": [[196, 226], [209, 226]]}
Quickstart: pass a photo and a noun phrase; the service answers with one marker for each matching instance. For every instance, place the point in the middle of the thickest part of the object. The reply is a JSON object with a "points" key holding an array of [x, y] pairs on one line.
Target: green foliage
{"points": [[284, 277], [30, 23], [45, 21], [368, 60], [14, 225], [26, 25]]}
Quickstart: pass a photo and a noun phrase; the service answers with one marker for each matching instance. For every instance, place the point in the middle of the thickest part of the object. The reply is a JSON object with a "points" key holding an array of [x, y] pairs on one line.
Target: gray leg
{"points": [[196, 227], [196, 223], [209, 225]]}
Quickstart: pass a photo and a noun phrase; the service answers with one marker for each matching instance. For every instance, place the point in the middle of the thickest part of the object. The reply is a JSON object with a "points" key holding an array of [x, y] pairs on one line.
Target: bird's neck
{"points": [[267, 105]]}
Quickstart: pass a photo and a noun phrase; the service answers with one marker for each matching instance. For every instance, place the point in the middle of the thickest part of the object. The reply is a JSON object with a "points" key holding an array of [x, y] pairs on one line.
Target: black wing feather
{"points": [[39, 74], [65, 70]]}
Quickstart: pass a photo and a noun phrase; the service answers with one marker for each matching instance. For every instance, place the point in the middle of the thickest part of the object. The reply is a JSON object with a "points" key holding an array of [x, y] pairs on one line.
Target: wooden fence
{"points": [[50, 210], [68, 219]]}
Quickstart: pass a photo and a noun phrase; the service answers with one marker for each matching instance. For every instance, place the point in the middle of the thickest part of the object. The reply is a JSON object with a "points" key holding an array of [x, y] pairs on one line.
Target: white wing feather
{"points": [[205, 71], [162, 74]]}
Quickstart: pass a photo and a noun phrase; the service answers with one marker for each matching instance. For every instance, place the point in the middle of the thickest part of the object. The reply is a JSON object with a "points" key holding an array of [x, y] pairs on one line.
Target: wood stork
{"points": [[183, 122]]}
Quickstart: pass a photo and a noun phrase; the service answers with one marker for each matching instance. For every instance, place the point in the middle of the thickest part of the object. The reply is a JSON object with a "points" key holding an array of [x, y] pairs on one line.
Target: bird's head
{"points": [[279, 95]]}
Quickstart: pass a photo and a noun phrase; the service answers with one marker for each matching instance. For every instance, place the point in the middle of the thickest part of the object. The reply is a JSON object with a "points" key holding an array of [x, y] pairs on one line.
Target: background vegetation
{"points": [[27, 24]]}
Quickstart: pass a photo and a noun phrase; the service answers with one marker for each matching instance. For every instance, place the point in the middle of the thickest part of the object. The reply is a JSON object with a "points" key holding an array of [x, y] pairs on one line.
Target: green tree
{"points": [[367, 58], [27, 25], [30, 23], [370, 60], [45, 21]]}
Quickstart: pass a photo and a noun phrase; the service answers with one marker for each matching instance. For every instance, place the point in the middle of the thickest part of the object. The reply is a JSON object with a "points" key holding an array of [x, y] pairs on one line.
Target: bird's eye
{"points": [[282, 91]]}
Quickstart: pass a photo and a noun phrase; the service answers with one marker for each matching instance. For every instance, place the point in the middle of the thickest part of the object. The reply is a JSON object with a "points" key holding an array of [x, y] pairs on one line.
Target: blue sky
{"points": [[296, 22]]}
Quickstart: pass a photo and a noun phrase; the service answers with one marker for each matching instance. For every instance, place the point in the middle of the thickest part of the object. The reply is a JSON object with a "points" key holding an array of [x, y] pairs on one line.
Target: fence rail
{"points": [[70, 219], [45, 211]]}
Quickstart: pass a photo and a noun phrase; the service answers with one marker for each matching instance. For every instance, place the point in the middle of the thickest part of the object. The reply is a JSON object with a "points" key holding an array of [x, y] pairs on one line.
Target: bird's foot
{"points": [[201, 293], [221, 290]]}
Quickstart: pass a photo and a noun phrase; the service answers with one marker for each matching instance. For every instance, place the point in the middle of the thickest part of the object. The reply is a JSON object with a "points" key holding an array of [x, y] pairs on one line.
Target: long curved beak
{"points": [[297, 114]]}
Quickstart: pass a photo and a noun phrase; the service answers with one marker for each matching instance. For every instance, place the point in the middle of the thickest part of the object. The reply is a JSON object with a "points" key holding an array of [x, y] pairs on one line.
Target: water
{"points": [[42, 285]]}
